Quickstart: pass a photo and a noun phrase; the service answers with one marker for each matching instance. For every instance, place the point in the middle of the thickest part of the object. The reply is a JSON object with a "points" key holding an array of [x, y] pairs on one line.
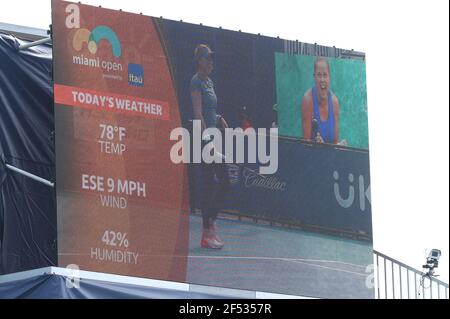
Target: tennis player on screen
{"points": [[320, 108], [204, 102]]}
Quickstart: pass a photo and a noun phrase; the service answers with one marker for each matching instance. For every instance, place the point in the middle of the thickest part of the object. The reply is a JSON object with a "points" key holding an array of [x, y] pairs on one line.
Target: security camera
{"points": [[434, 255], [432, 261]]}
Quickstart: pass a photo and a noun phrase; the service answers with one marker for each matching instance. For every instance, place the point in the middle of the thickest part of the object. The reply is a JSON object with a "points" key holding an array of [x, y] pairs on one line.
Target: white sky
{"points": [[407, 48]]}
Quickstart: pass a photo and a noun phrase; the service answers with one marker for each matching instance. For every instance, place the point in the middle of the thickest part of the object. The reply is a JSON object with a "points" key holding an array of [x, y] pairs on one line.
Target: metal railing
{"points": [[395, 280]]}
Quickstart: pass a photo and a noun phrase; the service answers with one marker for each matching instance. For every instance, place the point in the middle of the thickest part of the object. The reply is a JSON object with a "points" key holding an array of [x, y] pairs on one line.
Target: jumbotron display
{"points": [[213, 157]]}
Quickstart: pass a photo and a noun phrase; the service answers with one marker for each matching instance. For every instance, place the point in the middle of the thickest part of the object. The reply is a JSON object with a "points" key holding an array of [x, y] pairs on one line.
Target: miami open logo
{"points": [[93, 38]]}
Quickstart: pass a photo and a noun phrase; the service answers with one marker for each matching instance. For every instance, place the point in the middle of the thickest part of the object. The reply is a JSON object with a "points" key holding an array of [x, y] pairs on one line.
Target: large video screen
{"points": [[201, 155]]}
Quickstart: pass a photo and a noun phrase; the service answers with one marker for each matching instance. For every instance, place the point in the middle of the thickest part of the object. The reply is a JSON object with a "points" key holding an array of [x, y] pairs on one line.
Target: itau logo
{"points": [[135, 74]]}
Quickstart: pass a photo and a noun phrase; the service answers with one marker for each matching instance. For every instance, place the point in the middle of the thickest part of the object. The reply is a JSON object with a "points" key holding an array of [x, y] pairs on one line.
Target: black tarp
{"points": [[27, 207]]}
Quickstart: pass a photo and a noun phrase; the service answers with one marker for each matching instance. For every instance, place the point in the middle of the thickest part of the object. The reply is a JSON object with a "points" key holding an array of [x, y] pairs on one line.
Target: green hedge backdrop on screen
{"points": [[294, 76]]}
